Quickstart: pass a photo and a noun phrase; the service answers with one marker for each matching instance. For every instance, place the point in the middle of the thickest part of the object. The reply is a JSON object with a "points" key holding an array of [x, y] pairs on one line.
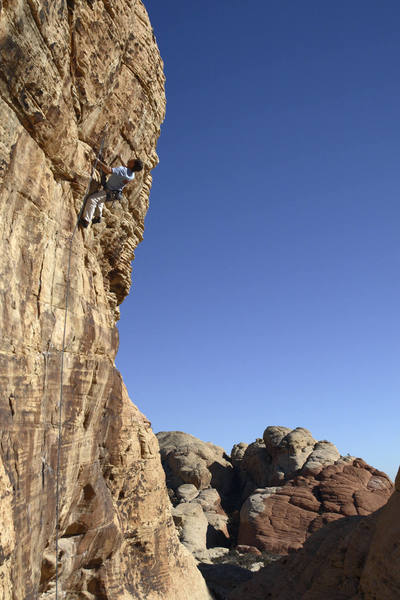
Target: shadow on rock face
{"points": [[216, 538], [222, 579], [221, 477]]}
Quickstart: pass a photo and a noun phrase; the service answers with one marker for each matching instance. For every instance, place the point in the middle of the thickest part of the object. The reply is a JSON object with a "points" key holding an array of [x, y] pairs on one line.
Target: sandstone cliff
{"points": [[68, 70]]}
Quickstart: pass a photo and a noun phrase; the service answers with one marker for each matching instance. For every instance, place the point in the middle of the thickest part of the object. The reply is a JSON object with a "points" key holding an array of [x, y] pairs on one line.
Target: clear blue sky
{"points": [[267, 288]]}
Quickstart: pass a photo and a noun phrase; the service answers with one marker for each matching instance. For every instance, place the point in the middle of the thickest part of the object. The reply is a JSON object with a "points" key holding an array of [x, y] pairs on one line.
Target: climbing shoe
{"points": [[83, 223], [96, 220]]}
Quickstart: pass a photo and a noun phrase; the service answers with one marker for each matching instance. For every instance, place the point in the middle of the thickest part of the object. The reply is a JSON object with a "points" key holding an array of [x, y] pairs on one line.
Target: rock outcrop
{"points": [[279, 519], [200, 478], [187, 459], [302, 484], [355, 558], [273, 493], [70, 71]]}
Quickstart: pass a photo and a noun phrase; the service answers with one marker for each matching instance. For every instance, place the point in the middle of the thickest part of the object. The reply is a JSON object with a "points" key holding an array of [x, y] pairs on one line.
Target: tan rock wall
{"points": [[68, 70]]}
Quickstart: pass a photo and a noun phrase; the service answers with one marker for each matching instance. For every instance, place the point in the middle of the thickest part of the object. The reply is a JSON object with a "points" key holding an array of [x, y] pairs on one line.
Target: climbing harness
{"points": [[60, 403], [111, 195]]}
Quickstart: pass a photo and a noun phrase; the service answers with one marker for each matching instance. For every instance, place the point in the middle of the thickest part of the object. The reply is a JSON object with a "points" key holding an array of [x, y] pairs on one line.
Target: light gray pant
{"points": [[94, 205]]}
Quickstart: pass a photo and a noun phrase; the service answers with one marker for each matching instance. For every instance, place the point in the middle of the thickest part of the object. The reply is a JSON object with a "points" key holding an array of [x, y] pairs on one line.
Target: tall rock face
{"points": [[69, 71]]}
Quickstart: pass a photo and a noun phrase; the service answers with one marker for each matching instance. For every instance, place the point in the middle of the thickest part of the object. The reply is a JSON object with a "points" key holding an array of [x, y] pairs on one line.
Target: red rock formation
{"points": [[67, 69], [279, 519], [287, 485], [355, 558], [292, 485]]}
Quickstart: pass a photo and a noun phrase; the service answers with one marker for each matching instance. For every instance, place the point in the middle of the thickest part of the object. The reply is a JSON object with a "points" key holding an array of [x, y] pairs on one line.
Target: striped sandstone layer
{"points": [[68, 70]]}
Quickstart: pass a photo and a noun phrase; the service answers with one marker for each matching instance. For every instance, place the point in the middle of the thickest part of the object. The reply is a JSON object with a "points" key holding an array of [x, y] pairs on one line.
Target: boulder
{"points": [[217, 532], [279, 519], [237, 453], [187, 459], [255, 468], [273, 436], [201, 522], [292, 451], [279, 456], [192, 526], [353, 558], [324, 453], [187, 492]]}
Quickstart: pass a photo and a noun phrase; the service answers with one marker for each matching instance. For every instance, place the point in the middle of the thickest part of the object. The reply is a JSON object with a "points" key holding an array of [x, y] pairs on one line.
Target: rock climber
{"points": [[119, 177]]}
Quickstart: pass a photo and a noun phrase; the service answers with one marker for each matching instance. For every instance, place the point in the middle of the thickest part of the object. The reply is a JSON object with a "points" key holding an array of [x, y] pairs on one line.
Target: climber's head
{"points": [[135, 164]]}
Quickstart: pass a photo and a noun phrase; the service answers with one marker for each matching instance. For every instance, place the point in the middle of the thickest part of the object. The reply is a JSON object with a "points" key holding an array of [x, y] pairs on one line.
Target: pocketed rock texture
{"points": [[68, 71], [301, 484], [187, 459], [279, 519], [356, 558], [273, 493]]}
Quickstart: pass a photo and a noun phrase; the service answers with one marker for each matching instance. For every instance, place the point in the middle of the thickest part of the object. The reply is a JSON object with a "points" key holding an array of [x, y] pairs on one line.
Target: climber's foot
{"points": [[83, 223]]}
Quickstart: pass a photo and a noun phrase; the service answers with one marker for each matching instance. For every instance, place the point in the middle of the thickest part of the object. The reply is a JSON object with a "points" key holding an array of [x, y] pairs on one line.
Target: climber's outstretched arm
{"points": [[104, 167]]}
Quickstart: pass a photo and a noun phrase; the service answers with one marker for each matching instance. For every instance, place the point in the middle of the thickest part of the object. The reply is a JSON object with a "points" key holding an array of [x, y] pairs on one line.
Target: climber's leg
{"points": [[92, 202], [98, 212]]}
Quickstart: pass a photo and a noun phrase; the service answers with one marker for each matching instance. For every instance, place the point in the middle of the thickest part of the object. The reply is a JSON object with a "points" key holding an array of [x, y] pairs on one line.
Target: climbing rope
{"points": [[60, 403]]}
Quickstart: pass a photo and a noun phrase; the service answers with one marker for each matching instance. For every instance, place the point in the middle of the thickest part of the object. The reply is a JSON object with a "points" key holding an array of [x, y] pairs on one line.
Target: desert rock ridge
{"points": [[285, 517]]}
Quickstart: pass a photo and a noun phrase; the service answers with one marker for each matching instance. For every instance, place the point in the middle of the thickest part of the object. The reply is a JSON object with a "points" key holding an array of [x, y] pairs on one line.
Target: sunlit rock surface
{"points": [[68, 72], [271, 494], [293, 484]]}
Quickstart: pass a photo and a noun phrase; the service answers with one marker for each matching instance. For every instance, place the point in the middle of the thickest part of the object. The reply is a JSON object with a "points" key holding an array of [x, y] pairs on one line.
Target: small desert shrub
{"points": [[246, 561]]}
